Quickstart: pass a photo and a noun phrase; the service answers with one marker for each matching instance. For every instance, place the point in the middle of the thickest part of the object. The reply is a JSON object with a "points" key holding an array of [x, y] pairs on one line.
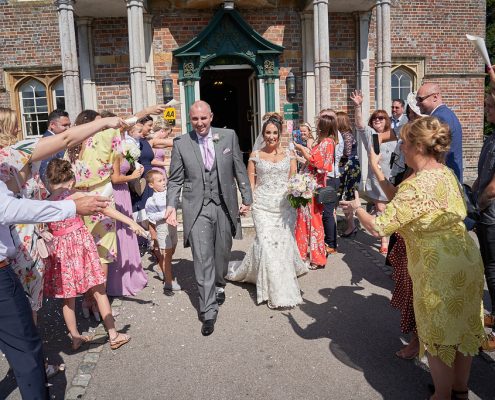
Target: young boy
{"points": [[166, 234]]}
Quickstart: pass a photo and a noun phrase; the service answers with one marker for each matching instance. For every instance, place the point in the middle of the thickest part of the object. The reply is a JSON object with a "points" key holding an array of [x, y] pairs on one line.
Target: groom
{"points": [[204, 164]]}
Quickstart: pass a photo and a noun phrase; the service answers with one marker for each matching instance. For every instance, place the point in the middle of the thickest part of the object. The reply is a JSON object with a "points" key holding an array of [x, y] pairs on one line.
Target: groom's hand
{"points": [[243, 209], [171, 216]]}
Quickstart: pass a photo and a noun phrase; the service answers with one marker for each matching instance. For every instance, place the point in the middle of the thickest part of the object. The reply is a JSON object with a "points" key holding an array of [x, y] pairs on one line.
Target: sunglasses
{"points": [[421, 99], [379, 118]]}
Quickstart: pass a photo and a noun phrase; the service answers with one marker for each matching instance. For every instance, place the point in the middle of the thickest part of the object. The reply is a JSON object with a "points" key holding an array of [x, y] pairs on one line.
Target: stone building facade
{"points": [[113, 55]]}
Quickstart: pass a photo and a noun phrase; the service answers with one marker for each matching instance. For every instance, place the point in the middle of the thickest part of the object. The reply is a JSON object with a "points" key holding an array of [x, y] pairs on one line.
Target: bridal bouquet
{"points": [[301, 189], [131, 152]]}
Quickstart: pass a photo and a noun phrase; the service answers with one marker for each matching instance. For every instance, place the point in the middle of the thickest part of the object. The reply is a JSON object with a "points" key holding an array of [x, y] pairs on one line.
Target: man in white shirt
{"points": [[19, 339]]}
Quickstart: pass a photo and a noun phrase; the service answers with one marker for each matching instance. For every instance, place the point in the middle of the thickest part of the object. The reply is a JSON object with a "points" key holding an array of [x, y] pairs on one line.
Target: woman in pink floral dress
{"points": [[73, 267]]}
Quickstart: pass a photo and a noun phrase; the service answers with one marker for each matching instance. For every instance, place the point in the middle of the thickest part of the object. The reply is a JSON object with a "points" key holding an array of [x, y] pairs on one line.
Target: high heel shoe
{"points": [[350, 234]]}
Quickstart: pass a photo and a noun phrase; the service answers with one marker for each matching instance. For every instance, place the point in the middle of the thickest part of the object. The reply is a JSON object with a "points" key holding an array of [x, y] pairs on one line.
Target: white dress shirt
{"points": [[25, 211], [156, 206], [339, 152]]}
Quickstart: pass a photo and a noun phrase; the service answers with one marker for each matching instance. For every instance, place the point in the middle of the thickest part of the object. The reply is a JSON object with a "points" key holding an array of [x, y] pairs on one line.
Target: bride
{"points": [[273, 261]]}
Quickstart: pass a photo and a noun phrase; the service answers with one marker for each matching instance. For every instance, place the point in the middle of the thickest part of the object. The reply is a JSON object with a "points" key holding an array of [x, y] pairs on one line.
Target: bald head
{"points": [[429, 97], [201, 116]]}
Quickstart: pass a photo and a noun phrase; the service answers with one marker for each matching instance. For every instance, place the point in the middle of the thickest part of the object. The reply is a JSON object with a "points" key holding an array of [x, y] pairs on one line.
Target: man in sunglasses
{"points": [[429, 101]]}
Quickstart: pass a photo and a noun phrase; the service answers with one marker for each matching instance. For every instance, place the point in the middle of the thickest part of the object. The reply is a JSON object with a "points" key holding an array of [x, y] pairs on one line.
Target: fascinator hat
{"points": [[411, 103], [269, 118]]}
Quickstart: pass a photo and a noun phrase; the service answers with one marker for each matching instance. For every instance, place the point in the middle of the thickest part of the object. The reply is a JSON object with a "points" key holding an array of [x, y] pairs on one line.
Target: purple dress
{"points": [[160, 156], [126, 276]]}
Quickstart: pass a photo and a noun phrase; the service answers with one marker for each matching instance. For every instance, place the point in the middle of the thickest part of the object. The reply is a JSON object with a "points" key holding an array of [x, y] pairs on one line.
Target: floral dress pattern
{"points": [[93, 170], [443, 261], [27, 264], [73, 266], [309, 225]]}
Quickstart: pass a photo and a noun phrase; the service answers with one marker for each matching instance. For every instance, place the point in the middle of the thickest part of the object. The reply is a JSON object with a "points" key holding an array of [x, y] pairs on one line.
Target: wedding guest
{"points": [[272, 262], [443, 260], [166, 234], [378, 124], [351, 169], [73, 267], [309, 225], [307, 134], [160, 141], [398, 118], [126, 276], [430, 102], [484, 189], [333, 180]]}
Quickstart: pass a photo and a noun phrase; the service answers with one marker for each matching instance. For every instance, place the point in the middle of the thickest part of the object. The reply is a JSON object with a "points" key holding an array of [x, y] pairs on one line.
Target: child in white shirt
{"points": [[166, 234]]}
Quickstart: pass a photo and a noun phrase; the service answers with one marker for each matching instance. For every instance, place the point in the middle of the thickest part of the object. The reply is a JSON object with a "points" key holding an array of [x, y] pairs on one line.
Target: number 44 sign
{"points": [[169, 115]]}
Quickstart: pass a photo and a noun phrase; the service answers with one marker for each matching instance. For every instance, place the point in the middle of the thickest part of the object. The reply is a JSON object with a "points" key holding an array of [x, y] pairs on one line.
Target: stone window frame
{"points": [[15, 77], [413, 66]]}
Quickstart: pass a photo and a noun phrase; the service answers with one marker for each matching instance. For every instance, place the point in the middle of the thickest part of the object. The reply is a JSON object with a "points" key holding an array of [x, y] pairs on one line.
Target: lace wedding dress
{"points": [[273, 261]]}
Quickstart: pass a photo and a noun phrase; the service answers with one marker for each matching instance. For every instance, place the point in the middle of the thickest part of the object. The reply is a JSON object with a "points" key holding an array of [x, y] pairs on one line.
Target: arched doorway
{"points": [[226, 89], [230, 51]]}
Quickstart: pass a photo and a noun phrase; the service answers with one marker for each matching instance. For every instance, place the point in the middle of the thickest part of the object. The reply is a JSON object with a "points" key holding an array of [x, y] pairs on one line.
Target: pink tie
{"points": [[208, 156]]}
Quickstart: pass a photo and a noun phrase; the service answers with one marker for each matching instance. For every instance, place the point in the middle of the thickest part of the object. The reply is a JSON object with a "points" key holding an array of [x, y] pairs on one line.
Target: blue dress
{"points": [[147, 155]]}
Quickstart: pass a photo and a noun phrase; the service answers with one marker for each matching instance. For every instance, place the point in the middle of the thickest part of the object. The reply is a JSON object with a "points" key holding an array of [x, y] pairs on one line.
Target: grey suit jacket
{"points": [[187, 172]]}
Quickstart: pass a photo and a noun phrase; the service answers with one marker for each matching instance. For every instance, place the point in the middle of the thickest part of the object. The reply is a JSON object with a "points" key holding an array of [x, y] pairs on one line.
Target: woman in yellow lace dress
{"points": [[444, 262]]}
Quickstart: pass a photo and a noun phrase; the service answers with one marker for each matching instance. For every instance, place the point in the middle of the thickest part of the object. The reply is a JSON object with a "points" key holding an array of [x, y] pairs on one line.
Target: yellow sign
{"points": [[169, 114]]}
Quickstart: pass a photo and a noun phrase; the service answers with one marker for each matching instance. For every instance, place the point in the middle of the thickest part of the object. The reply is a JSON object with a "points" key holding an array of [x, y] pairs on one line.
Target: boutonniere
{"points": [[216, 138]]}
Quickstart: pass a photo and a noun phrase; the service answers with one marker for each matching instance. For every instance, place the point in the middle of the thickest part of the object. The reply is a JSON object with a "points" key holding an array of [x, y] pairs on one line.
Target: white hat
{"points": [[411, 102]]}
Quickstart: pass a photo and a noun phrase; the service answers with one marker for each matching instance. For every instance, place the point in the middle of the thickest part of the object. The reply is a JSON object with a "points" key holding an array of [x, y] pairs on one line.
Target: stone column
{"points": [[308, 72], [316, 48], [137, 63], [150, 65], [386, 58], [68, 48], [379, 56], [324, 50], [86, 65], [363, 75]]}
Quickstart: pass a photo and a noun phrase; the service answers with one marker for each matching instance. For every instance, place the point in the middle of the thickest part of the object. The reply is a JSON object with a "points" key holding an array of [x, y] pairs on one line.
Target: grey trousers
{"points": [[211, 242]]}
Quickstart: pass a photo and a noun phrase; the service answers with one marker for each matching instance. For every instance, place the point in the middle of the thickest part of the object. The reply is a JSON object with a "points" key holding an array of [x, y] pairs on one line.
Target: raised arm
{"points": [[47, 146], [117, 215], [357, 99]]}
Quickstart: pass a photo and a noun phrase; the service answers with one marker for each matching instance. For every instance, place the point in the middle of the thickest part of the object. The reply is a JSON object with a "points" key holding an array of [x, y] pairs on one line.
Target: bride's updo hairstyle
{"points": [[327, 128], [272, 118], [59, 171], [429, 134]]}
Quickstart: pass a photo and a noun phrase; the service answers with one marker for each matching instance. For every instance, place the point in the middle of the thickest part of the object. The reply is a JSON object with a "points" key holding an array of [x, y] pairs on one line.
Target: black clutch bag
{"points": [[326, 195]]}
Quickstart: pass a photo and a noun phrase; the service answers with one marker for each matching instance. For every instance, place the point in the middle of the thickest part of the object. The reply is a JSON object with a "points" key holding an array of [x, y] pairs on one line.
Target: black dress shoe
{"points": [[208, 327], [220, 298]]}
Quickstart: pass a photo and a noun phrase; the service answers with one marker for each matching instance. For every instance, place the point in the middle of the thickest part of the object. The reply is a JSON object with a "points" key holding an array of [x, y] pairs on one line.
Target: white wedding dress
{"points": [[272, 262]]}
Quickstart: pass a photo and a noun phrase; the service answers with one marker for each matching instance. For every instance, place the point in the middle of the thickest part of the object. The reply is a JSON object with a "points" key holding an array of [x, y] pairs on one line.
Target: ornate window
{"points": [[402, 84], [34, 93], [34, 107], [58, 95]]}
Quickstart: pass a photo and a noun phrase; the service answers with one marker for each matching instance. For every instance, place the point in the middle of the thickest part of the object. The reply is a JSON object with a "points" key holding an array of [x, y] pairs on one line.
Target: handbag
{"points": [[472, 209], [326, 195]]}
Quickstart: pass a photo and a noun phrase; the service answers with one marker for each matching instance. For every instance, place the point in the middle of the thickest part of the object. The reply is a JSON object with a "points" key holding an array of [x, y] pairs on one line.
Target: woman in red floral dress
{"points": [[309, 225]]}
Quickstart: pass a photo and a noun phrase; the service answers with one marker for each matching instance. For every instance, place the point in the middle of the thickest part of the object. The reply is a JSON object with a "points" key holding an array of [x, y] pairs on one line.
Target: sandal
{"points": [[489, 320], [78, 342], [460, 394], [119, 340], [315, 266]]}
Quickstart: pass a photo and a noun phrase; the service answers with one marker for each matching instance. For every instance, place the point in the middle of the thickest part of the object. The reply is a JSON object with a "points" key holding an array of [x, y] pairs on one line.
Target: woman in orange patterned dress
{"points": [[309, 225]]}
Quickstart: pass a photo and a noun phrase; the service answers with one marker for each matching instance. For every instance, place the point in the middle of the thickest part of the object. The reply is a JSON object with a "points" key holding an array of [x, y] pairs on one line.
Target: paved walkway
{"points": [[339, 344]]}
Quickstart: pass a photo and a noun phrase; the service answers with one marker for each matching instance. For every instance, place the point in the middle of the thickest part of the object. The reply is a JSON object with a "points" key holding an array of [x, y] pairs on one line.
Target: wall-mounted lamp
{"points": [[168, 88], [290, 85]]}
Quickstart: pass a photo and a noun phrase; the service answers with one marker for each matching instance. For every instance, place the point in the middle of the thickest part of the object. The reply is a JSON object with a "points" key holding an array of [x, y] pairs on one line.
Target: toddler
{"points": [[166, 234]]}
